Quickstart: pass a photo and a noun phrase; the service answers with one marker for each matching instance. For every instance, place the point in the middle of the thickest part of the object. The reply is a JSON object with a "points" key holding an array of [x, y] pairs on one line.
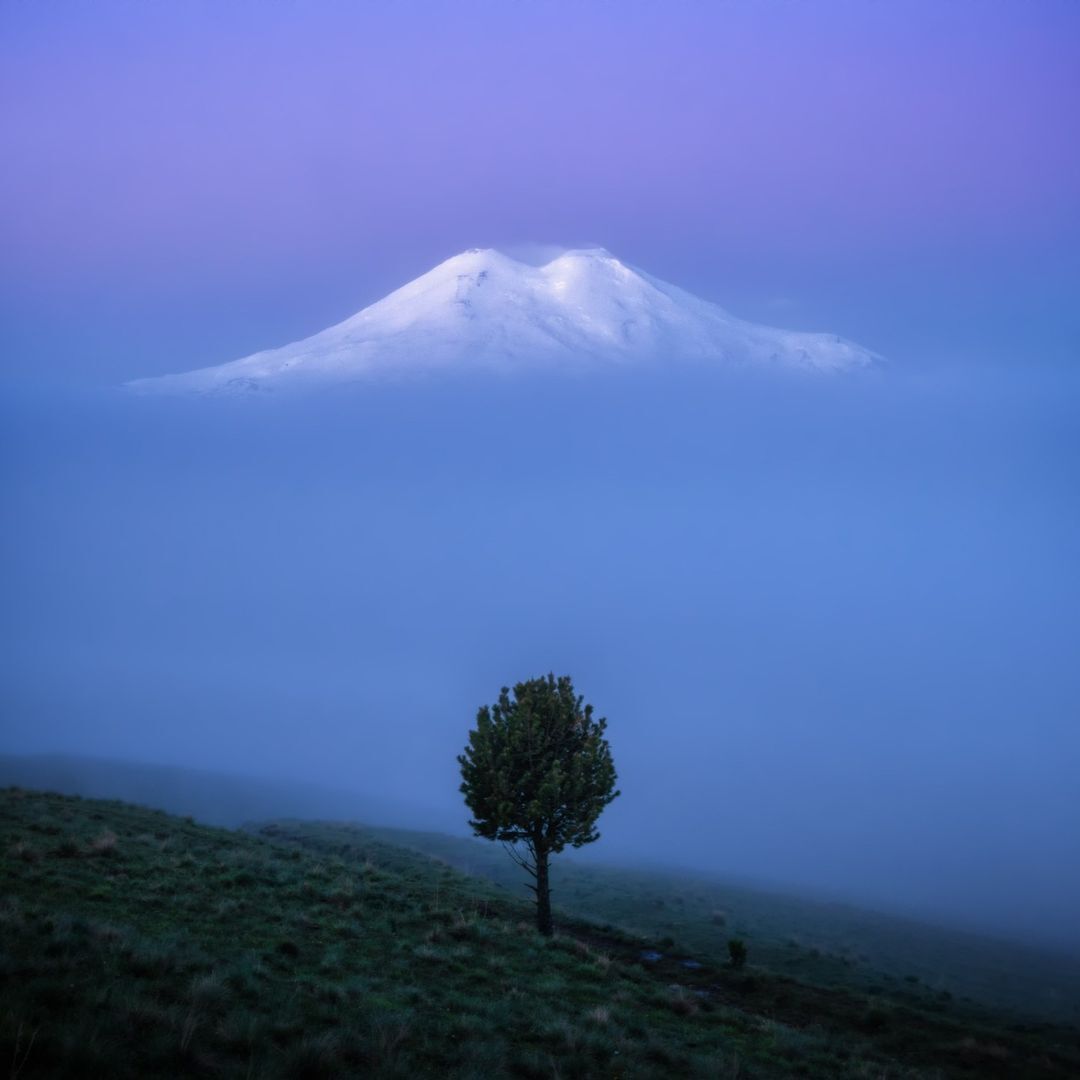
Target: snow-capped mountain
{"points": [[484, 309]]}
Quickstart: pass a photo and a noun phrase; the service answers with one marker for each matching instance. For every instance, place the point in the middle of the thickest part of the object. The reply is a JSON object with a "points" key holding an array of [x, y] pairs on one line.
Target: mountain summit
{"points": [[484, 309]]}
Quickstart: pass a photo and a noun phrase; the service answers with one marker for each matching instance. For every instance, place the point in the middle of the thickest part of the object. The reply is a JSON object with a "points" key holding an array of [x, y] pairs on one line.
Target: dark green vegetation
{"points": [[736, 948], [136, 944], [829, 944], [536, 775]]}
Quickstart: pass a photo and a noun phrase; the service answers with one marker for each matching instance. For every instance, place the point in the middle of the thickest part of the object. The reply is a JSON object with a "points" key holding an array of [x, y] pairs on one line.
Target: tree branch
{"points": [[524, 863]]}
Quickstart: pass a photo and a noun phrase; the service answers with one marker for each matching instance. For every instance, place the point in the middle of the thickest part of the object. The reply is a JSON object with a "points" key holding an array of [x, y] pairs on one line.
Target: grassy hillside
{"points": [[829, 944], [825, 943], [135, 944]]}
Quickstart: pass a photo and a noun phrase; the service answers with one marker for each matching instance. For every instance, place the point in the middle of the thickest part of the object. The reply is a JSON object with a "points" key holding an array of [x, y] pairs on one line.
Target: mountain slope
{"points": [[214, 798], [138, 944], [484, 309]]}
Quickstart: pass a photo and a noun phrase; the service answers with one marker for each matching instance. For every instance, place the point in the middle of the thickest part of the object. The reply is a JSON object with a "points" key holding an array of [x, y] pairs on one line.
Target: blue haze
{"points": [[833, 623]]}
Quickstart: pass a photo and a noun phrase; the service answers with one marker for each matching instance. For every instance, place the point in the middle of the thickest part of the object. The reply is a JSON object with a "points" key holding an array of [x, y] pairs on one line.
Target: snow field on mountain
{"points": [[484, 310]]}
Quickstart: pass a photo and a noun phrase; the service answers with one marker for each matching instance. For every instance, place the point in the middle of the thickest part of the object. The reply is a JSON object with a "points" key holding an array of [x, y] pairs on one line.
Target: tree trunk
{"points": [[543, 895]]}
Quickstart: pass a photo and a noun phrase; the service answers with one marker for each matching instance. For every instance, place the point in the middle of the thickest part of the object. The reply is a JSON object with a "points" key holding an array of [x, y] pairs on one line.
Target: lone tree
{"points": [[537, 773]]}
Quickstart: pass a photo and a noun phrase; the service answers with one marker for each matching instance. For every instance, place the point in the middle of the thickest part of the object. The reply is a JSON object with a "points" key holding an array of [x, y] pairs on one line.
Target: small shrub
{"points": [[719, 918], [600, 1015], [315, 1056], [387, 1034], [875, 1020], [104, 843], [24, 852], [67, 849], [736, 948], [188, 1028], [208, 991], [107, 933], [681, 1003], [144, 1014], [151, 960]]}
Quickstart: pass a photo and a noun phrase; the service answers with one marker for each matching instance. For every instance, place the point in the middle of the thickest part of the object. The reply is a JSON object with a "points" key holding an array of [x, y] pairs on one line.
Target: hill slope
{"points": [[815, 941], [482, 309], [139, 944], [214, 798]]}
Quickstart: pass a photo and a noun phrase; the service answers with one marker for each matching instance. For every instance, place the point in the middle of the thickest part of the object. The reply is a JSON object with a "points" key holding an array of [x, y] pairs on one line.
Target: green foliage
{"points": [[538, 772], [736, 948], [538, 768]]}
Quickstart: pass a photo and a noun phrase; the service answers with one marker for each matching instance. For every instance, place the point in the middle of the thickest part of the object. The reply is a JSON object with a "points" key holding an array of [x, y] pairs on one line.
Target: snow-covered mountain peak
{"points": [[482, 308]]}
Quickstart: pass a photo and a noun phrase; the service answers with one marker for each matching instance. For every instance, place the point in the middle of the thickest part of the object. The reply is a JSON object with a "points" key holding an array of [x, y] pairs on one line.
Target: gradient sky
{"points": [[184, 184], [834, 624]]}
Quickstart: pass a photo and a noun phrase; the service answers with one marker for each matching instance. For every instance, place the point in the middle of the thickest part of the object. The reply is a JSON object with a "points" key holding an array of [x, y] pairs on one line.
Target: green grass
{"points": [[826, 944], [137, 944]]}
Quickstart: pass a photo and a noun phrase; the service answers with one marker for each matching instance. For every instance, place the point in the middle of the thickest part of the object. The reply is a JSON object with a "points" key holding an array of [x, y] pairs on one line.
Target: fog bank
{"points": [[832, 623]]}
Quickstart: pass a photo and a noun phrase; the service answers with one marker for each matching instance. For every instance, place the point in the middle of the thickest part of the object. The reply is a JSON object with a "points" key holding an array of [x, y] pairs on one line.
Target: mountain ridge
{"points": [[483, 309]]}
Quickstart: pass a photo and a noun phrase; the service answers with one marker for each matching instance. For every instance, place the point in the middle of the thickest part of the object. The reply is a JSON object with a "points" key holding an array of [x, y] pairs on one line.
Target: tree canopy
{"points": [[538, 772]]}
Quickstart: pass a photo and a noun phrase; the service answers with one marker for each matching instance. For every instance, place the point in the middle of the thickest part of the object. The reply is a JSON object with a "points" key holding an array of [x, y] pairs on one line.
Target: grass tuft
{"points": [[104, 843]]}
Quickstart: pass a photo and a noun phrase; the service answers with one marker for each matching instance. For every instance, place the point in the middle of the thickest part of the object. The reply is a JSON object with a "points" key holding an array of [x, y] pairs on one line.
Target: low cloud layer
{"points": [[832, 624]]}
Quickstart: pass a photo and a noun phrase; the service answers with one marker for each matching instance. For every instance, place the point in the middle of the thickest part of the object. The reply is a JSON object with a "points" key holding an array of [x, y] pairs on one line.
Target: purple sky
{"points": [[252, 172]]}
